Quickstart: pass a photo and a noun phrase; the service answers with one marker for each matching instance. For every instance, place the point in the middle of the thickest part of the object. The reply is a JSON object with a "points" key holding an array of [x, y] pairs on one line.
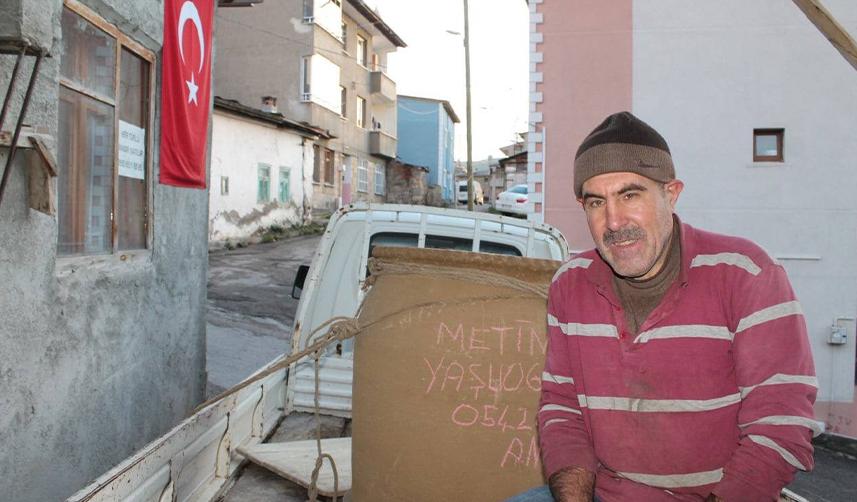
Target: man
{"points": [[678, 364]]}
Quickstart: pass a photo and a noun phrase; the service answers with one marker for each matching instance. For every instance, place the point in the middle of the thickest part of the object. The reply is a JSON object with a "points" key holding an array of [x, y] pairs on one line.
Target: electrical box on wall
{"points": [[838, 335], [839, 331]]}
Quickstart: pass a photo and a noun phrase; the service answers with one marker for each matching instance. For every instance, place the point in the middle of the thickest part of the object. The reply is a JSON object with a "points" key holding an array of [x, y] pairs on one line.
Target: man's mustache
{"points": [[625, 234]]}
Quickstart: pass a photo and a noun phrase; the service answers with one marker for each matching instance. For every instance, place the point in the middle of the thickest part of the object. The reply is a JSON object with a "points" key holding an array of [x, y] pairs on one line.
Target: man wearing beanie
{"points": [[678, 365]]}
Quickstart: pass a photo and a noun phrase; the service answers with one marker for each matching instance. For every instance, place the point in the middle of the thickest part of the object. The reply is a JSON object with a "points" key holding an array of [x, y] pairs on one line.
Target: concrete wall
{"points": [[259, 52], [770, 67], [418, 133], [98, 355], [239, 146]]}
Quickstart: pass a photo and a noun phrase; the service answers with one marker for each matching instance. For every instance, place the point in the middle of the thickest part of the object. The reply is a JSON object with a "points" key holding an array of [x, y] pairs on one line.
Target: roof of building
{"points": [[402, 163], [277, 119], [513, 158], [377, 22], [445, 103]]}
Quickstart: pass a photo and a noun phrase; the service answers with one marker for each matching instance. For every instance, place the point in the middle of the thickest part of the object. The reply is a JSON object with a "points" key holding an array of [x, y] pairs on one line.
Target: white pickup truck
{"points": [[200, 458]]}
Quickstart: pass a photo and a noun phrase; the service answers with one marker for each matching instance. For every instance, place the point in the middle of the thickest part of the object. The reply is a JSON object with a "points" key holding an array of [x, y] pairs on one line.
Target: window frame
{"points": [[379, 169], [343, 101], [360, 114], [259, 167], [329, 154], [306, 79], [362, 51], [123, 41], [362, 175], [284, 175], [224, 185], [780, 134]]}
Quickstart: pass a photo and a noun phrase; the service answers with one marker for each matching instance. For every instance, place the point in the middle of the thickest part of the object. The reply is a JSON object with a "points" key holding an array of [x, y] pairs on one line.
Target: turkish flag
{"points": [[185, 91]]}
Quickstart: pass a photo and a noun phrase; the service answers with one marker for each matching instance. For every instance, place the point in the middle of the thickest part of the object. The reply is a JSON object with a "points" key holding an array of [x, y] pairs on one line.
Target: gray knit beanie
{"points": [[623, 143]]}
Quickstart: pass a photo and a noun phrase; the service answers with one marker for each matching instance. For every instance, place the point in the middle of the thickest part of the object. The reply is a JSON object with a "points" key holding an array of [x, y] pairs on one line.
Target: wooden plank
{"points": [[295, 461], [48, 161], [830, 28]]}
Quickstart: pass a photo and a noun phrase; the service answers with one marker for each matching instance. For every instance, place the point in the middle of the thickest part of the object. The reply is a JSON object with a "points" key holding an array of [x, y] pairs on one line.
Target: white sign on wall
{"points": [[132, 151]]}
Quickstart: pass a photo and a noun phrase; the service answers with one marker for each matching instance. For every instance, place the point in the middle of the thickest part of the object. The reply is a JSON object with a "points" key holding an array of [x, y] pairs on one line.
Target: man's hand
{"points": [[572, 484], [713, 498]]}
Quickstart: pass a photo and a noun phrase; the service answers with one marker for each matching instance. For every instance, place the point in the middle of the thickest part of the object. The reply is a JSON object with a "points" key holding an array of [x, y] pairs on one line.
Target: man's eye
{"points": [[595, 203], [630, 195]]}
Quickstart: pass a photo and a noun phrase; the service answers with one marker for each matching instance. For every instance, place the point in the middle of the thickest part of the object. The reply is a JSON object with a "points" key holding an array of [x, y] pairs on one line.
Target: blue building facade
{"points": [[426, 137]]}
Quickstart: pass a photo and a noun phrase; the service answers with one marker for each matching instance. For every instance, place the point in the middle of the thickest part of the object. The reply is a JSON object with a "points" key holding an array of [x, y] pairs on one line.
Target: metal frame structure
{"points": [[22, 48]]}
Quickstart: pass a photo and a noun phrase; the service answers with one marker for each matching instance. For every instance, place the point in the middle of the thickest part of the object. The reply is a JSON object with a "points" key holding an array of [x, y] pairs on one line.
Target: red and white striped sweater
{"points": [[715, 393]]}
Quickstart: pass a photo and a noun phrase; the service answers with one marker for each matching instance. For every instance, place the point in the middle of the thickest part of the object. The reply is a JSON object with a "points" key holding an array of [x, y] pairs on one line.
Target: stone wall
{"points": [[406, 184]]}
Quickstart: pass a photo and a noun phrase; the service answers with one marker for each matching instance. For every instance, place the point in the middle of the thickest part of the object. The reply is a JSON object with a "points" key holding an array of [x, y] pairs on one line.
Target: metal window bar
{"points": [[21, 48]]}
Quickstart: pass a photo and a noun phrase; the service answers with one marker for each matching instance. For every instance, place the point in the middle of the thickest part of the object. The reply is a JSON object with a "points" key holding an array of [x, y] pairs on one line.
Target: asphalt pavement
{"points": [[250, 308]]}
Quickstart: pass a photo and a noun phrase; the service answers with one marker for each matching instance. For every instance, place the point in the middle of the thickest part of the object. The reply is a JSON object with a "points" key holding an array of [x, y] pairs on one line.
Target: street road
{"points": [[250, 308]]}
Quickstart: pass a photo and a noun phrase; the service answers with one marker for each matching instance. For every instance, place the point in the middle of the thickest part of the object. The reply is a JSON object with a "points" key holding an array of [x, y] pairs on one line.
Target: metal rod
{"points": [[14, 146], [11, 89], [469, 127]]}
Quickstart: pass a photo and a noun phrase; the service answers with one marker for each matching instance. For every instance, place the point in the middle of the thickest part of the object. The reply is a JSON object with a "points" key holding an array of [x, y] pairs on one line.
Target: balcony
{"points": [[382, 86], [382, 144]]}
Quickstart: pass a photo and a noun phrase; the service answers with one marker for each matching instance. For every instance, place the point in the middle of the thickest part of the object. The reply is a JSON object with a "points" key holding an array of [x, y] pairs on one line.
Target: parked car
{"points": [[478, 196], [513, 201]]}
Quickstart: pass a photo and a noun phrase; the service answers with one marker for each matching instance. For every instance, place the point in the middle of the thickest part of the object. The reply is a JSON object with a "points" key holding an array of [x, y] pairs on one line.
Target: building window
{"points": [[328, 167], [224, 185], [344, 35], [361, 50], [768, 145], [306, 70], [362, 176], [104, 138], [263, 194], [316, 164], [308, 11], [343, 101], [380, 179], [283, 181], [361, 112]]}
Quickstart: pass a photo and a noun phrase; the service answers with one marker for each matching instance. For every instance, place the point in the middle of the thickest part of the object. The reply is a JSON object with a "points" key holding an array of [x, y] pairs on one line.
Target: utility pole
{"points": [[469, 129]]}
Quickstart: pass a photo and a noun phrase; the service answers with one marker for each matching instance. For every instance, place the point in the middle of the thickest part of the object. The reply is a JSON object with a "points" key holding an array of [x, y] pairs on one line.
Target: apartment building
{"points": [[427, 132], [325, 61]]}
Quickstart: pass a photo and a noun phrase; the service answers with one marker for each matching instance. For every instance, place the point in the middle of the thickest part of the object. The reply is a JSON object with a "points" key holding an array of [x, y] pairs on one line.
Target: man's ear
{"points": [[673, 189]]}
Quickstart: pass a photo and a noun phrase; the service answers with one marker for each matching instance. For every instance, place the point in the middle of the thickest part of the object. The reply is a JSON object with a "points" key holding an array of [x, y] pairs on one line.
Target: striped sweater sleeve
{"points": [[563, 436], [776, 377]]}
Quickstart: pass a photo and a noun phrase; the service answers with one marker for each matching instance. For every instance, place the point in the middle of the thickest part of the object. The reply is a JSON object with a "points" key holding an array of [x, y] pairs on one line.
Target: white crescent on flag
{"points": [[190, 13]]}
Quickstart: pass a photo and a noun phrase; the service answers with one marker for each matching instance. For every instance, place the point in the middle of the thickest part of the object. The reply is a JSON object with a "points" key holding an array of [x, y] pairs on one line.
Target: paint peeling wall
{"points": [[98, 355], [239, 147]]}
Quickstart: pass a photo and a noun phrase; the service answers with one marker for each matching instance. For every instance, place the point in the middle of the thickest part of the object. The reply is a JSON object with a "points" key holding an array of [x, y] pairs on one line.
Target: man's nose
{"points": [[615, 216]]}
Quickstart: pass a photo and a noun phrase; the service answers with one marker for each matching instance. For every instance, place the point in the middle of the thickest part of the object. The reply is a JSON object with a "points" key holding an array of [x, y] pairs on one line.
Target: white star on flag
{"points": [[192, 88]]}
